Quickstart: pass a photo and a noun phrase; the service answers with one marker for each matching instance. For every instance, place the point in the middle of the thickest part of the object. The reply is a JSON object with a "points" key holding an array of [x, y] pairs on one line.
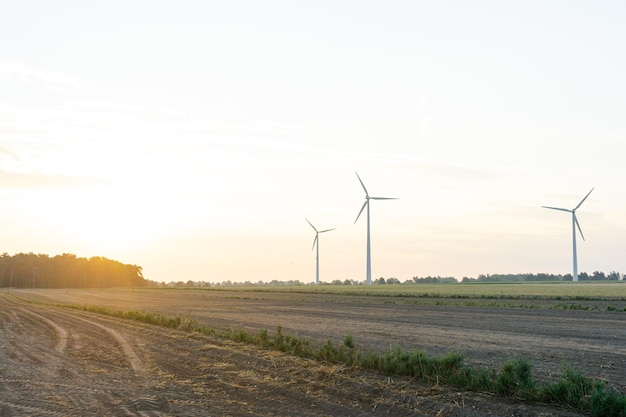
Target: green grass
{"points": [[568, 290], [591, 296]]}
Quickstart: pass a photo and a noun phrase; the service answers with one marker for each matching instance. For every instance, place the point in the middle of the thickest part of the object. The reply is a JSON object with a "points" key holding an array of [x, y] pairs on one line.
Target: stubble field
{"points": [[64, 362]]}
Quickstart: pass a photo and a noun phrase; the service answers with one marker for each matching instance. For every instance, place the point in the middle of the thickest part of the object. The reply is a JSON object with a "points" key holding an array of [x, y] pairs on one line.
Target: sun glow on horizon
{"points": [[196, 138], [101, 221]]}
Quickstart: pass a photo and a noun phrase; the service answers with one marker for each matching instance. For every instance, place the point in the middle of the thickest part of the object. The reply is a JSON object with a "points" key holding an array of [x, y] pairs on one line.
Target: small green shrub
{"points": [[570, 390], [241, 336], [515, 379], [327, 352], [348, 342], [604, 404], [262, 338]]}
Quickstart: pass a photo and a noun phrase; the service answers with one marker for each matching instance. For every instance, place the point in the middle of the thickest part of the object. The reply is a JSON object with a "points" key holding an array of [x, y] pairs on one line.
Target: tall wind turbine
{"points": [[367, 203], [574, 225], [317, 256]]}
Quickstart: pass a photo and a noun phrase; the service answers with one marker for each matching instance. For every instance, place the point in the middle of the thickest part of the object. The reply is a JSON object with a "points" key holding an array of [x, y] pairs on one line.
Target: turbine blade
{"points": [[579, 229], [362, 207], [327, 230], [362, 185], [384, 198], [314, 242], [311, 224], [558, 208], [583, 200]]}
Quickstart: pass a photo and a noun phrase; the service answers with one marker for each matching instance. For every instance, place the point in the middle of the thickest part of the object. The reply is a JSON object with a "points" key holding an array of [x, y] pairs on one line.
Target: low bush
{"points": [[516, 379]]}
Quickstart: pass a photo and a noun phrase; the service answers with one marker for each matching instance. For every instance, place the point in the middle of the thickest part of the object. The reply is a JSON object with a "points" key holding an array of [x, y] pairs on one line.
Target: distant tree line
{"points": [[435, 280], [227, 283], [29, 270], [582, 276]]}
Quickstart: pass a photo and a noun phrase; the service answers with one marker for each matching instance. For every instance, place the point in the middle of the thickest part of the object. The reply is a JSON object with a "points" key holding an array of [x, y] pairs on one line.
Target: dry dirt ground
{"points": [[56, 361]]}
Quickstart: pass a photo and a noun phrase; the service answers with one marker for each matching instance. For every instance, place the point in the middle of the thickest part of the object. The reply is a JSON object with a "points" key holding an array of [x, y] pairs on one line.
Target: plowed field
{"points": [[56, 361]]}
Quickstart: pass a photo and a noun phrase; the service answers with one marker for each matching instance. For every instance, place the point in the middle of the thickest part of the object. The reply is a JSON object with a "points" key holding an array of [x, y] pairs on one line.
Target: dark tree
{"points": [[29, 270]]}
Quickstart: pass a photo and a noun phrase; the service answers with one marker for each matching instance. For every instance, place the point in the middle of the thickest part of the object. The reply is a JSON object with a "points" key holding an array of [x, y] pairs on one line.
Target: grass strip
{"points": [[513, 379]]}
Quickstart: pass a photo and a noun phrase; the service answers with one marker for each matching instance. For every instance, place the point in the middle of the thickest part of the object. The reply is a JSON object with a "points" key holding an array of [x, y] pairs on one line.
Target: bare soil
{"points": [[56, 361]]}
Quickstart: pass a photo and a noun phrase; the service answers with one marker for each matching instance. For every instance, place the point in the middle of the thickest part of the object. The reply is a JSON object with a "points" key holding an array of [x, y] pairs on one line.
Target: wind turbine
{"points": [[367, 203], [574, 225], [317, 256]]}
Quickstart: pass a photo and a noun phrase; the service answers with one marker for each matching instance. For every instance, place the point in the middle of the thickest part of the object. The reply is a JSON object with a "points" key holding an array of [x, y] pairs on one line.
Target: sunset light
{"points": [[197, 138], [313, 208]]}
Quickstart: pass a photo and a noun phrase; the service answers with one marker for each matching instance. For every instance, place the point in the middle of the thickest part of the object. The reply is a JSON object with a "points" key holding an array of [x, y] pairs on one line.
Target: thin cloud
{"points": [[54, 81], [457, 173], [5, 152], [15, 180]]}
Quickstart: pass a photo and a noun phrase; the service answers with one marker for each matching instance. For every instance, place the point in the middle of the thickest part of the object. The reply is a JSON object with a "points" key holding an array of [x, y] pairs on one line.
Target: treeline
{"points": [[416, 280], [30, 270], [435, 280], [583, 276], [276, 283]]}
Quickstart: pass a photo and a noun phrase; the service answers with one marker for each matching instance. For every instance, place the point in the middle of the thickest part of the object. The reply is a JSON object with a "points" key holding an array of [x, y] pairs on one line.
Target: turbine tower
{"points": [[574, 226], [368, 267], [317, 256]]}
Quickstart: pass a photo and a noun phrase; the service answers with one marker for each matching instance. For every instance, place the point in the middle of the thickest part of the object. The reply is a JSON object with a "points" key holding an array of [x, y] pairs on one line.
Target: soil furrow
{"points": [[62, 334], [63, 362]]}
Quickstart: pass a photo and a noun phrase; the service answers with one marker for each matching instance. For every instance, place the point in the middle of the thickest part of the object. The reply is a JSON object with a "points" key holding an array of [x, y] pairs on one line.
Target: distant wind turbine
{"points": [[317, 256], [574, 225], [367, 203]]}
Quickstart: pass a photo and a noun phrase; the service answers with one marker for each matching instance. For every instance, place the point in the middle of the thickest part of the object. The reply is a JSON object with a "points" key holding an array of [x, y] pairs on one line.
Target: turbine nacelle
{"points": [[573, 211], [368, 198], [317, 232]]}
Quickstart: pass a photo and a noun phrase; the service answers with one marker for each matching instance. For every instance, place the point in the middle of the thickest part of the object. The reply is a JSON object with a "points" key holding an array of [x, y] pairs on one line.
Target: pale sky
{"points": [[193, 138]]}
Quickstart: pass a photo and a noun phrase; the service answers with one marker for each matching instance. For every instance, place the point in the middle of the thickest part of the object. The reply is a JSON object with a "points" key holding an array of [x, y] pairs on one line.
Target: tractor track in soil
{"points": [[56, 361]]}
